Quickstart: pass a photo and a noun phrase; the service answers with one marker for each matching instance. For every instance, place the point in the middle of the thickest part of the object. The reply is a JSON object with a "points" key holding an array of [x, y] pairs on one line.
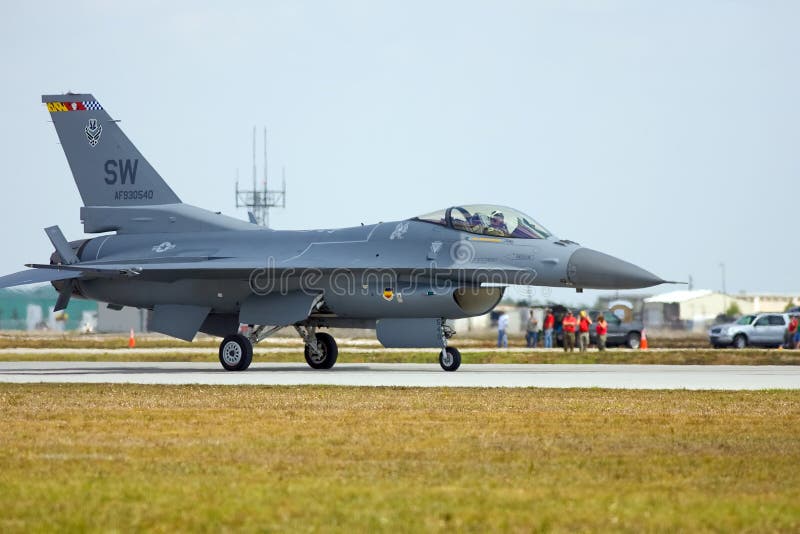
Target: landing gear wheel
{"points": [[450, 359], [328, 352], [235, 353]]}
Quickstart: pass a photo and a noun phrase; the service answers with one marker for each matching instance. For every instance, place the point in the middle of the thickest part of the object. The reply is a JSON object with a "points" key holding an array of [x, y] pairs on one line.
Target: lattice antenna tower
{"points": [[257, 200]]}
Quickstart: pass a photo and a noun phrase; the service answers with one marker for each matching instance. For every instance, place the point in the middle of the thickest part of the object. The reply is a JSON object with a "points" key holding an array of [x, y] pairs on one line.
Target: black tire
{"points": [[451, 359], [739, 341], [330, 351], [634, 340], [235, 353]]}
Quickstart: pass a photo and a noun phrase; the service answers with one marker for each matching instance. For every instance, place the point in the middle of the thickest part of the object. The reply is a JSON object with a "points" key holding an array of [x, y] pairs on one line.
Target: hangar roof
{"points": [[679, 296]]}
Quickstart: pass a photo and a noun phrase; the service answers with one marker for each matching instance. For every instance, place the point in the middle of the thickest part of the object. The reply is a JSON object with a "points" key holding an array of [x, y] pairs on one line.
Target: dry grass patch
{"points": [[109, 457]]}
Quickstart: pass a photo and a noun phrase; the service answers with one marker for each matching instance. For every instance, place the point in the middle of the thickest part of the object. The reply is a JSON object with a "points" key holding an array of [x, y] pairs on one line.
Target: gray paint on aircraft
{"points": [[197, 269]]}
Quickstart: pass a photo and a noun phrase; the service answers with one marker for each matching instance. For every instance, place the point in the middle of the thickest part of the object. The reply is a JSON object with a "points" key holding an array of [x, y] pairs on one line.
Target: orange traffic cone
{"points": [[643, 344], [131, 340]]}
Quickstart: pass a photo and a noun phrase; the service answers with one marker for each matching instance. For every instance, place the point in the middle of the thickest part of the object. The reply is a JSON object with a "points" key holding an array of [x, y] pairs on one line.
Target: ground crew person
{"points": [[569, 324], [532, 330], [583, 331], [502, 326], [549, 323], [602, 332]]}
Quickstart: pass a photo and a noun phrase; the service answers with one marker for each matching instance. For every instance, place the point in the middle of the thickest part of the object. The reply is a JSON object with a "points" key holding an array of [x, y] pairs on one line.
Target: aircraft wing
{"points": [[179, 265], [180, 268], [35, 276]]}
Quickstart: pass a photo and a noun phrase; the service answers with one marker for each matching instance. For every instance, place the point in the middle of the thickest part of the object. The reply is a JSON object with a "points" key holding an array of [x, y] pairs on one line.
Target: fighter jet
{"points": [[200, 271]]}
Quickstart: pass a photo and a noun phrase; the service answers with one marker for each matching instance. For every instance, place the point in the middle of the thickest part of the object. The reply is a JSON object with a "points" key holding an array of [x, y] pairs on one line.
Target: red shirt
{"points": [[569, 324], [549, 321], [602, 328], [584, 325], [793, 325]]}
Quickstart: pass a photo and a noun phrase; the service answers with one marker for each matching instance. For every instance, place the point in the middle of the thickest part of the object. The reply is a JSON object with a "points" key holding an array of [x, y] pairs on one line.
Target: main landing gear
{"points": [[235, 353], [236, 350], [321, 351]]}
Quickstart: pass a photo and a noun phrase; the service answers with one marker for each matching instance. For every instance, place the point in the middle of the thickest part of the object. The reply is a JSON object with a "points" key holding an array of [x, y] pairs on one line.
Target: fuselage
{"points": [[348, 265]]}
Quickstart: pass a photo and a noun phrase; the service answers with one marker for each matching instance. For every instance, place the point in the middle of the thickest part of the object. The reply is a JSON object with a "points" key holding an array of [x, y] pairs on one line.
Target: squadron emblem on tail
{"points": [[93, 131]]}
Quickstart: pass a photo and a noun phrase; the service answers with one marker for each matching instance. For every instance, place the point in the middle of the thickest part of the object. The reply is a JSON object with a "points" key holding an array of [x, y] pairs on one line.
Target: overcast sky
{"points": [[664, 133]]}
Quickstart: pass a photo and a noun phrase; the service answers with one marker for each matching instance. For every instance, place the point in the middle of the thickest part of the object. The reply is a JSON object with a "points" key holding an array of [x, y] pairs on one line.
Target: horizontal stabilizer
{"points": [[36, 276], [61, 245]]}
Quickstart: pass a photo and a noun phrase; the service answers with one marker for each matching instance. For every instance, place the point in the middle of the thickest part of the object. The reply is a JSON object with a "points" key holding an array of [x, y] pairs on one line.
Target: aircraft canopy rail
{"points": [[484, 219]]}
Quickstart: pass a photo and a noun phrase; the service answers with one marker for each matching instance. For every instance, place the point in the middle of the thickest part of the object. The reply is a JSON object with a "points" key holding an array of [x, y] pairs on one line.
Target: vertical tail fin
{"points": [[107, 167]]}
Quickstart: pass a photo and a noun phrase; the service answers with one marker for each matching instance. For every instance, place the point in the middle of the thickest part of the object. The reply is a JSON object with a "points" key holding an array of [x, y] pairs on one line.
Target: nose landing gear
{"points": [[450, 358]]}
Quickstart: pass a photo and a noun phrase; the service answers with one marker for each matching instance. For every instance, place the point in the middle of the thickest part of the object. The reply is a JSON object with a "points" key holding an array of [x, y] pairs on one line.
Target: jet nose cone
{"points": [[591, 269]]}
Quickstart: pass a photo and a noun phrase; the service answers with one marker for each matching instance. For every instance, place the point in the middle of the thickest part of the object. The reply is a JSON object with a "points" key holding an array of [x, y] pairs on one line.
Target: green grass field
{"points": [[691, 351], [14, 339], [469, 355], [106, 458]]}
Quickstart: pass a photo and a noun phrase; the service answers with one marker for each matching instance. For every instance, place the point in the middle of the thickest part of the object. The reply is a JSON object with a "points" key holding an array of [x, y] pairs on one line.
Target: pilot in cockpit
{"points": [[497, 224]]}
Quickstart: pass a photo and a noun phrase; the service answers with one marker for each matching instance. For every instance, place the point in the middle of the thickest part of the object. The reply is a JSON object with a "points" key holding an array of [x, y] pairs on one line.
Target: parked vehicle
{"points": [[620, 333], [758, 329]]}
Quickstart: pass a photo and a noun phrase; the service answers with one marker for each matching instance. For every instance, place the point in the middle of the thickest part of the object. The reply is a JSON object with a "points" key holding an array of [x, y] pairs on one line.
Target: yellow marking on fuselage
{"points": [[486, 239]]}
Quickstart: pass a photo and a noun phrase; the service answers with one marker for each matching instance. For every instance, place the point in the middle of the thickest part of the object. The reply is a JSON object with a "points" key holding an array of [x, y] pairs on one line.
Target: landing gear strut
{"points": [[449, 357], [321, 350], [235, 353]]}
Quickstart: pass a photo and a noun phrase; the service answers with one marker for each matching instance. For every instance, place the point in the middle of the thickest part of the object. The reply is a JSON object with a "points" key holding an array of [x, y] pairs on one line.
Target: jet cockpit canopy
{"points": [[485, 219]]}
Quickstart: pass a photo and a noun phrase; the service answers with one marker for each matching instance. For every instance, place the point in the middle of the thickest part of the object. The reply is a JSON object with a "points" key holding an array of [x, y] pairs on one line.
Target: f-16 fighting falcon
{"points": [[200, 271]]}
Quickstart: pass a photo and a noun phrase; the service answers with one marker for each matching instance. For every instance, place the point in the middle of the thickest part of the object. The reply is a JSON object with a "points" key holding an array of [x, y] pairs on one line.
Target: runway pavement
{"points": [[720, 377]]}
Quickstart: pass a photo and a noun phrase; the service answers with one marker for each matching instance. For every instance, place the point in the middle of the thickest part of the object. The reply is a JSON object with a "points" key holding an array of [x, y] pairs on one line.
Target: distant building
{"points": [[110, 321], [32, 309], [697, 309], [765, 302]]}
